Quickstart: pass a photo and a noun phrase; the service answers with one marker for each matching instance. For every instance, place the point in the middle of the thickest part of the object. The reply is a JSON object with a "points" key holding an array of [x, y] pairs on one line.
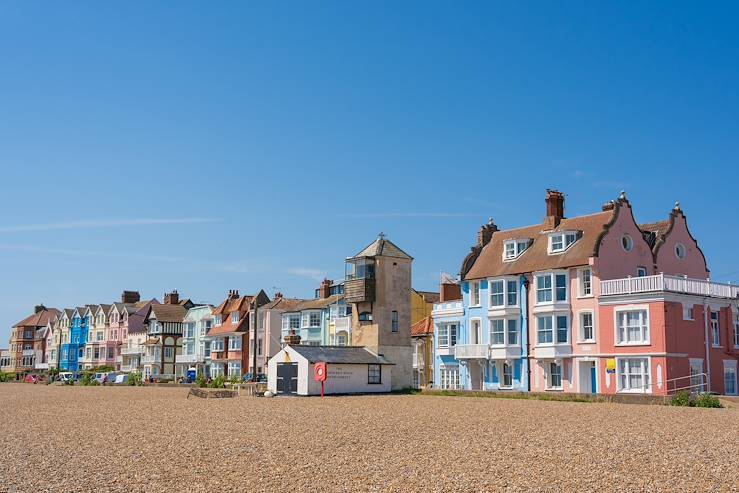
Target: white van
{"points": [[66, 376]]}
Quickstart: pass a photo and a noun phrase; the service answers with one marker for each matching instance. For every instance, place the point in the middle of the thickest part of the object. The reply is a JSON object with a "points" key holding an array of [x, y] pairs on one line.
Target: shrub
{"points": [[135, 379], [88, 380], [201, 381], [682, 398], [218, 383], [235, 379], [707, 400]]}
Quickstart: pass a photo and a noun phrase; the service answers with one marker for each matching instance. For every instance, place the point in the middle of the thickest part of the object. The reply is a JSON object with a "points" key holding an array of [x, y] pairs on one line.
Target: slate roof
{"points": [[351, 355], [423, 327], [430, 296], [490, 261], [382, 247]]}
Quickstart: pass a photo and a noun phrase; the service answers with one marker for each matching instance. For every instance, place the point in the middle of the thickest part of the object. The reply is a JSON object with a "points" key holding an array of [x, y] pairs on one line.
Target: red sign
{"points": [[319, 372]]}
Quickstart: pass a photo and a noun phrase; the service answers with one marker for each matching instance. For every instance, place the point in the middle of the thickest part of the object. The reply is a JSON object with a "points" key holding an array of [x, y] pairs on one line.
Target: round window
{"points": [[627, 242], [680, 250]]}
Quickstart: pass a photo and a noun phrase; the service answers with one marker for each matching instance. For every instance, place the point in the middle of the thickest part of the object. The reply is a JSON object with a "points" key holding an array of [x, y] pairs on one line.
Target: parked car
{"points": [[66, 376], [101, 378], [31, 379], [121, 378]]}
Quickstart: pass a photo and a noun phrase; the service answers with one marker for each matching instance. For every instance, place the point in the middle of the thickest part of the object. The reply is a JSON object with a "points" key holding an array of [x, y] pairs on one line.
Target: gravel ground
{"points": [[153, 439]]}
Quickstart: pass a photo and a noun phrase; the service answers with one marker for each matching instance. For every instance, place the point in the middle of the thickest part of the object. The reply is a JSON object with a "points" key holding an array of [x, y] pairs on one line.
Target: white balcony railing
{"points": [[343, 323], [41, 366], [5, 354], [663, 282], [448, 308], [29, 352], [150, 358], [132, 350], [471, 351]]}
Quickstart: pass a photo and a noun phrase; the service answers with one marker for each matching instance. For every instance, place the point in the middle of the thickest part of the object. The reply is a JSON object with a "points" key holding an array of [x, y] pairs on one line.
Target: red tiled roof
{"points": [[423, 327], [39, 319]]}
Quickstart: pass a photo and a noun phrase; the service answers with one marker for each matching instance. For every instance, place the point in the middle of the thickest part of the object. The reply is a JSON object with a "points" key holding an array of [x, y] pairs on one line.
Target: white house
{"points": [[350, 370]]}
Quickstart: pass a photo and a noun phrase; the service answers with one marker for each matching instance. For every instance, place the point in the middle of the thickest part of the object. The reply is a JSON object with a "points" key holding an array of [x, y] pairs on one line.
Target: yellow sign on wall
{"points": [[610, 365]]}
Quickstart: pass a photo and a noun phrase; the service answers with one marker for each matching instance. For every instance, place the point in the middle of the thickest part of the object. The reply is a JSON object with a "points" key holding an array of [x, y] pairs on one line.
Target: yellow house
{"points": [[422, 303]]}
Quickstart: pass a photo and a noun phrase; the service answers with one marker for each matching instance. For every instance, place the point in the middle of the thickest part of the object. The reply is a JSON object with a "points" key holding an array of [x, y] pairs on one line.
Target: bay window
{"points": [[551, 287], [503, 292], [216, 345], [234, 343], [512, 293], [633, 375], [633, 327], [447, 335], [545, 329]]}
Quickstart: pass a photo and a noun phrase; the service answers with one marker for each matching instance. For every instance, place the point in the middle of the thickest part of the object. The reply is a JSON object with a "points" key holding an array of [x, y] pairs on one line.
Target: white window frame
{"points": [[629, 246], [645, 326], [234, 343], [625, 364], [475, 295], [554, 319], [552, 289], [502, 294], [235, 317], [501, 380], [715, 328], [168, 352], [217, 345], [234, 367], [217, 320], [498, 322], [449, 378], [688, 312], [548, 374], [564, 240], [512, 249], [581, 326], [476, 328], [642, 272], [445, 331], [585, 285]]}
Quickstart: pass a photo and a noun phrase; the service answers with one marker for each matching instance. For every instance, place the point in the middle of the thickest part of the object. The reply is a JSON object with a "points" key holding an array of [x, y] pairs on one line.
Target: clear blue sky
{"points": [[214, 146]]}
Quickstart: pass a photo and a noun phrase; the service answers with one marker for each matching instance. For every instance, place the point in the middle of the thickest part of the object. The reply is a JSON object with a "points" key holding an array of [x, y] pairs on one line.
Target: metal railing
{"points": [[693, 388]]}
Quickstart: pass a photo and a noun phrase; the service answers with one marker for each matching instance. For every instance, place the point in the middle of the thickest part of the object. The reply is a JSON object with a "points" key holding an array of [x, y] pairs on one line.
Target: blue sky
{"points": [[246, 145]]}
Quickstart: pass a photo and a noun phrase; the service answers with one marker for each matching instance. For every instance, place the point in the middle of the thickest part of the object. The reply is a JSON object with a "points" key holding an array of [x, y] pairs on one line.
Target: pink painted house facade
{"points": [[593, 304]]}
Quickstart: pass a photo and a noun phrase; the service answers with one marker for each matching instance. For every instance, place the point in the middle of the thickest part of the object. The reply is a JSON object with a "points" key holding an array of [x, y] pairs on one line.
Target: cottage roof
{"points": [[382, 247], [591, 227], [340, 355], [317, 304], [169, 313], [423, 327], [38, 319], [286, 304]]}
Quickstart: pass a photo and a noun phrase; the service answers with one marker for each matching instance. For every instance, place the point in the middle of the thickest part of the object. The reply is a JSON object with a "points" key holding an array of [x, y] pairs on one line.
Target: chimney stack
{"points": [[39, 308], [278, 295], [233, 294], [130, 297], [555, 209], [486, 233], [172, 298], [325, 290], [293, 339]]}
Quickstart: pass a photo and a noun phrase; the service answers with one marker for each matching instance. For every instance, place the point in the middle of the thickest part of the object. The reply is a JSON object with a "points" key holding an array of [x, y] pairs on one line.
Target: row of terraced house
{"points": [[164, 340], [589, 304]]}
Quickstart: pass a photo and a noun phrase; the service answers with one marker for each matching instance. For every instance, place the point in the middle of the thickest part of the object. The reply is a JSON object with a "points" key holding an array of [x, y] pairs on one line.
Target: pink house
{"points": [[603, 303]]}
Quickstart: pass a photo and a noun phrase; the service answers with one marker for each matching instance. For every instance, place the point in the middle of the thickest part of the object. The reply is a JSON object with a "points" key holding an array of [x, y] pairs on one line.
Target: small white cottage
{"points": [[350, 370]]}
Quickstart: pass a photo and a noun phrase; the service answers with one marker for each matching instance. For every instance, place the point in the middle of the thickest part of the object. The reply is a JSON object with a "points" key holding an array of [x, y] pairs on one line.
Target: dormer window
{"points": [[235, 317], [514, 248], [217, 320], [559, 242]]}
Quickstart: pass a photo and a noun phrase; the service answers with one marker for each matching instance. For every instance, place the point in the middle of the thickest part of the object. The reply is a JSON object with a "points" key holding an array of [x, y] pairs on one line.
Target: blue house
{"points": [[73, 351], [480, 341]]}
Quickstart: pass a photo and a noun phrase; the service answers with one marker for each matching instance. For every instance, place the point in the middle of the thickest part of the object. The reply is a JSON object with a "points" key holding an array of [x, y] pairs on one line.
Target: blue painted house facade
{"points": [[73, 351]]}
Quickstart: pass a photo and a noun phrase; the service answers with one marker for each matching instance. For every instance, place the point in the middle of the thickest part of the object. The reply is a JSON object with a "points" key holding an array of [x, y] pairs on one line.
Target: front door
{"points": [[287, 378], [593, 385]]}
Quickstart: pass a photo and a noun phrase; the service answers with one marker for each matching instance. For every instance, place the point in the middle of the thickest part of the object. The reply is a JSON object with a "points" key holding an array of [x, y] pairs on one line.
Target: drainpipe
{"points": [[525, 315], [706, 311]]}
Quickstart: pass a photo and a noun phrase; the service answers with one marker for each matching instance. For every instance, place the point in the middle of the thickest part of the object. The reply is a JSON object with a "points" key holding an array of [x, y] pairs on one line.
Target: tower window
{"points": [[395, 321]]}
